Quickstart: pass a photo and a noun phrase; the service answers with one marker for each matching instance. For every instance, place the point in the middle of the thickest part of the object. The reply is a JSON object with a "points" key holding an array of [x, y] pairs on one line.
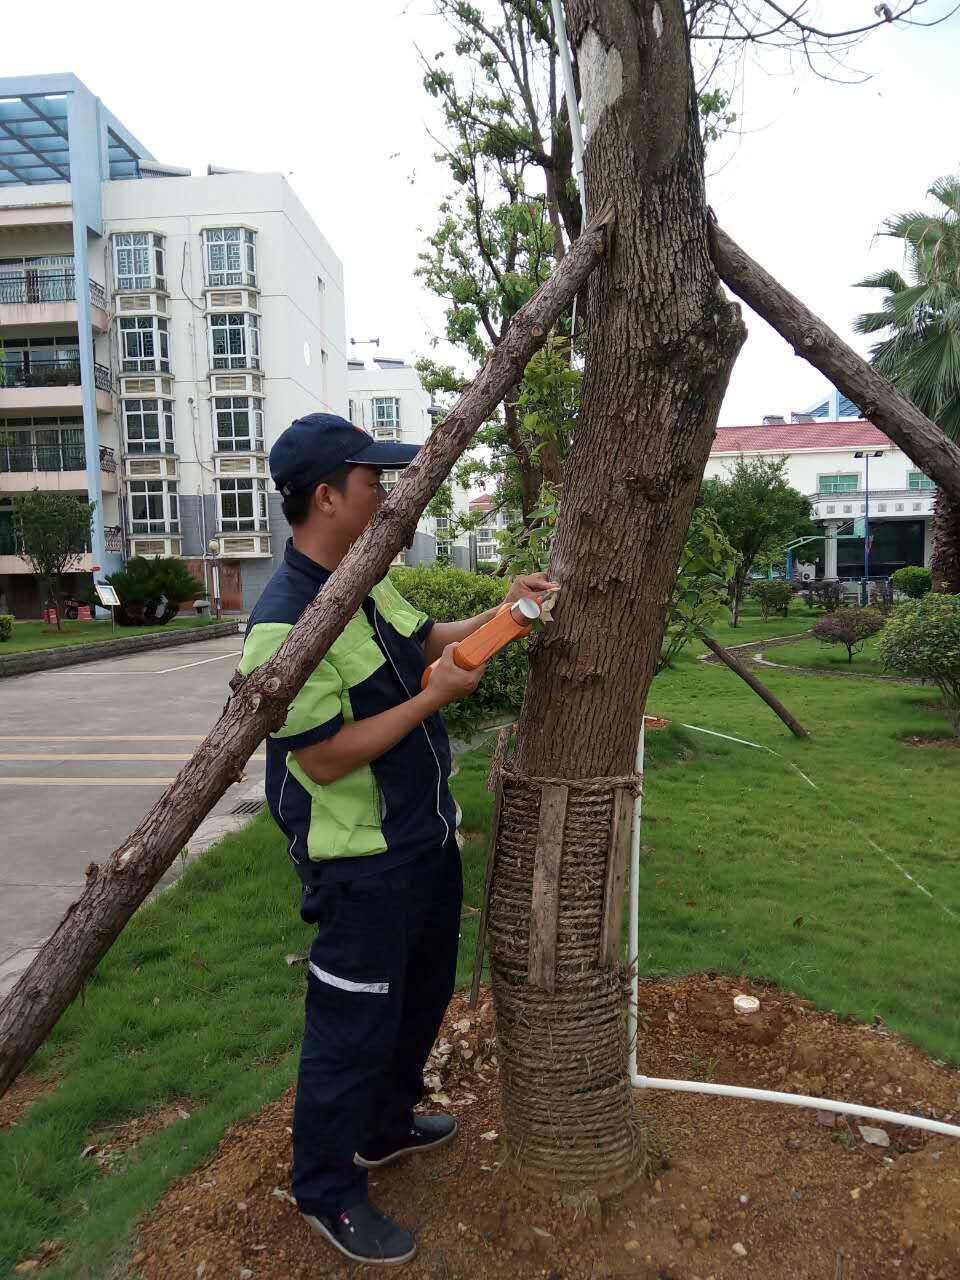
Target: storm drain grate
{"points": [[248, 806]]}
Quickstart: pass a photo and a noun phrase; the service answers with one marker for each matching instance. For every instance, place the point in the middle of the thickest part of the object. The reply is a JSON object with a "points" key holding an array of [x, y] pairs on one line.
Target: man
{"points": [[357, 781]]}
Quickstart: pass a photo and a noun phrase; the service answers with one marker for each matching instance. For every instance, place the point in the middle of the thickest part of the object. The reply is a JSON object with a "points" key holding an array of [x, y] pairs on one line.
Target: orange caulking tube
{"points": [[510, 623]]}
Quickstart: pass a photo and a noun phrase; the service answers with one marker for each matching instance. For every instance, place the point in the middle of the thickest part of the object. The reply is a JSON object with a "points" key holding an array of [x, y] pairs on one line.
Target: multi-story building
{"points": [[494, 521], [827, 460], [157, 332], [387, 398]]}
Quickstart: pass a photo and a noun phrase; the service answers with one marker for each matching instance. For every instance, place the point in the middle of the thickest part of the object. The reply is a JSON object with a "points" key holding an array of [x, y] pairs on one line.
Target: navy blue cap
{"points": [[313, 446]]}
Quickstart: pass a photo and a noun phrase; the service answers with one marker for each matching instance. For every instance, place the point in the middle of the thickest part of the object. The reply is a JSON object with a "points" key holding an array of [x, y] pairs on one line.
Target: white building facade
{"points": [[829, 462], [386, 397], [157, 333]]}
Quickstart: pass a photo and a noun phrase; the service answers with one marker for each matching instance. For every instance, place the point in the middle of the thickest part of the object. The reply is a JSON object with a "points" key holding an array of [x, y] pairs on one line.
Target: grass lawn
{"points": [[830, 657], [752, 627], [37, 635], [745, 869]]}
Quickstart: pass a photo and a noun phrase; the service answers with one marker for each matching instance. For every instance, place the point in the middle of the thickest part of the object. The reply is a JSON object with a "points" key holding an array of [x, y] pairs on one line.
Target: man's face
{"points": [[361, 496]]}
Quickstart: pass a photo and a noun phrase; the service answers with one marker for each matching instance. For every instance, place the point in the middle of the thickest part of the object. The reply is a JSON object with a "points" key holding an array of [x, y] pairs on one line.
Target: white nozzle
{"points": [[529, 611]]}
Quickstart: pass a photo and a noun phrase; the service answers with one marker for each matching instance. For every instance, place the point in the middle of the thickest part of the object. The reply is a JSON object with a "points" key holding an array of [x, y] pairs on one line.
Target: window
{"points": [[239, 423], [154, 506], [148, 426], [243, 504], [234, 340], [351, 410], [138, 260], [389, 480], [917, 480], [144, 345], [842, 482], [386, 414], [229, 256]]}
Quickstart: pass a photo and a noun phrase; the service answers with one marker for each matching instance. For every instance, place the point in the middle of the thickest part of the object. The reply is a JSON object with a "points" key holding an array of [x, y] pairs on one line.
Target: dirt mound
{"points": [[738, 1189]]}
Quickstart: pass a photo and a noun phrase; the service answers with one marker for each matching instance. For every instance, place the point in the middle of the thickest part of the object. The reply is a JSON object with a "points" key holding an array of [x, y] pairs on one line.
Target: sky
{"points": [[331, 95]]}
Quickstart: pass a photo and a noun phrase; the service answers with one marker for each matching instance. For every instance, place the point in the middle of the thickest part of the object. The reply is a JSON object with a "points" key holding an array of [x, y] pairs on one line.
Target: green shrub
{"points": [[849, 627], [913, 580], [827, 593], [141, 585], [774, 596], [448, 595], [487, 567], [6, 626], [922, 638]]}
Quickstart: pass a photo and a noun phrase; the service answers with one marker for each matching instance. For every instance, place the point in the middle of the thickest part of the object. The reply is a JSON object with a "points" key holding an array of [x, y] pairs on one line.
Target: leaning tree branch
{"points": [[115, 890], [878, 399], [758, 687]]}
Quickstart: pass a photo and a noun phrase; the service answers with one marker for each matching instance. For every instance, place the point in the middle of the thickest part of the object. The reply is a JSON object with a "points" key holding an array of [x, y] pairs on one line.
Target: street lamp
{"points": [[867, 454], [213, 547]]}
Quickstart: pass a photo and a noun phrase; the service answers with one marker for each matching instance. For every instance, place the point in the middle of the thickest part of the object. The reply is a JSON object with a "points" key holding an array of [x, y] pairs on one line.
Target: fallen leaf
{"points": [[441, 1099], [490, 1136], [279, 1193], [88, 1151], [297, 957], [462, 1026]]}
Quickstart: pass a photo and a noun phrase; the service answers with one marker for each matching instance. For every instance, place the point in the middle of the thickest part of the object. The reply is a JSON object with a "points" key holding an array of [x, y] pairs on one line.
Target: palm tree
{"points": [[921, 352]]}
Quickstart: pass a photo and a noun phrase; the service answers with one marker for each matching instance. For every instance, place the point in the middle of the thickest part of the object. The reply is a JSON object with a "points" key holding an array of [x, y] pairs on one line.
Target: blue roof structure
{"points": [[50, 124]]}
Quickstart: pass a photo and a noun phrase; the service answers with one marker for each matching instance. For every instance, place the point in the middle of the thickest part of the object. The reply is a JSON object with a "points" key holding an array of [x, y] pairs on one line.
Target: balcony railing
{"points": [[51, 457], [25, 287], [52, 373], [113, 539], [857, 495]]}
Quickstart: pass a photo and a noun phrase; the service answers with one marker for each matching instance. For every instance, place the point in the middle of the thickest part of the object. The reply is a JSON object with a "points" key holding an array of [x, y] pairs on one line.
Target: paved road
{"points": [[84, 753]]}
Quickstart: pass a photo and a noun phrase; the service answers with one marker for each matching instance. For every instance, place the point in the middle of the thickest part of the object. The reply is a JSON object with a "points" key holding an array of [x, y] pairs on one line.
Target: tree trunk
{"points": [[946, 544], [878, 399], [115, 890], [530, 475], [662, 340]]}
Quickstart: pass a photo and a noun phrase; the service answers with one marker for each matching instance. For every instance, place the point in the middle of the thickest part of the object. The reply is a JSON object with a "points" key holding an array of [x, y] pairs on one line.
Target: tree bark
{"points": [[758, 687], [946, 544], [115, 890], [662, 340], [879, 400]]}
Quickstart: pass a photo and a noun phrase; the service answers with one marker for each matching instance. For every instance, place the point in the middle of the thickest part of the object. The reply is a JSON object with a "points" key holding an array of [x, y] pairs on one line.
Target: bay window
{"points": [[229, 256], [138, 261], [243, 504], [148, 426], [154, 506], [144, 345], [239, 424], [234, 340]]}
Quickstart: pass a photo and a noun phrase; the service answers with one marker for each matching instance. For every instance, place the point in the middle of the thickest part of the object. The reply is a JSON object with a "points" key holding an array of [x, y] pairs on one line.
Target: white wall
{"points": [[805, 466], [363, 385]]}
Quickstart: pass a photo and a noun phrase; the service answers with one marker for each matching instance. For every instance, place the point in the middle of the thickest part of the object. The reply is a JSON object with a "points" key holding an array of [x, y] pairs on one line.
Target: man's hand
{"points": [[530, 584], [450, 683]]}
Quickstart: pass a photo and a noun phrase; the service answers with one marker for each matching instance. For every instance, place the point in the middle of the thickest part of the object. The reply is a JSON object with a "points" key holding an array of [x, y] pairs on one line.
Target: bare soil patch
{"points": [[918, 740], [736, 1189], [24, 1091]]}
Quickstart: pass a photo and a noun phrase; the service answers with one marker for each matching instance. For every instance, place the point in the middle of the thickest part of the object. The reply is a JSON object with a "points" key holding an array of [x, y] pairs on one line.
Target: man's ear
{"points": [[322, 499]]}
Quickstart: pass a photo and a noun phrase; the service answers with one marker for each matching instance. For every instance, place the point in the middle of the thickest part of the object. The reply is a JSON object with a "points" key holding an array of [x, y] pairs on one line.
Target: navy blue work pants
{"points": [[381, 973]]}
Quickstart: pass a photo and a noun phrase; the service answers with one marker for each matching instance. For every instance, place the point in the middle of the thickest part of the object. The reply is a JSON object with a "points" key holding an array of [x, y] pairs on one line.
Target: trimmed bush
{"points": [[774, 596], [922, 638], [448, 595], [849, 627], [827, 594], [6, 626], [913, 581], [142, 584]]}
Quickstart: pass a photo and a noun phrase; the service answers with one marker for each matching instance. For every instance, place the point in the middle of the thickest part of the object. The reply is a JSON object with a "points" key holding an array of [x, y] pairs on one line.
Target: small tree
{"points": [[758, 511], [922, 638], [53, 532], [913, 580], [849, 627], [700, 594], [175, 585], [774, 596]]}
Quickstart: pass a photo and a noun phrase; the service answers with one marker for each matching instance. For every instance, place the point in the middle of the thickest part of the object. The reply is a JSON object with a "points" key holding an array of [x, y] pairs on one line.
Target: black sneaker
{"points": [[364, 1235], [428, 1133]]}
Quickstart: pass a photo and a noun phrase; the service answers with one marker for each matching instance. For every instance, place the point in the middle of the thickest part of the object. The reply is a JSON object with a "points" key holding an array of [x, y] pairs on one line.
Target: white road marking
{"points": [[102, 755], [200, 662], [84, 782]]}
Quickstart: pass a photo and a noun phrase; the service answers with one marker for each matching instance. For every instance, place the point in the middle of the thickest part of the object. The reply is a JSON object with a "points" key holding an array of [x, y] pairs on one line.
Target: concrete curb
{"points": [[20, 664]]}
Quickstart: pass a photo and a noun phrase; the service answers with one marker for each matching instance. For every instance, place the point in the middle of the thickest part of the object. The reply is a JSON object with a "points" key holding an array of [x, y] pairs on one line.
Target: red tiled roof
{"points": [[482, 500], [792, 436]]}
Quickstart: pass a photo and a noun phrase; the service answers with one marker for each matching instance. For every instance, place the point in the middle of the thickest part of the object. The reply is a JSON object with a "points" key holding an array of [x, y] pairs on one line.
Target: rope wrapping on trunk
{"points": [[568, 1110]]}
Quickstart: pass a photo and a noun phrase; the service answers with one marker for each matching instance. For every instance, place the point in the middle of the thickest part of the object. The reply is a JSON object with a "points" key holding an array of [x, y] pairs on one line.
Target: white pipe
{"points": [[729, 1090], [573, 106]]}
